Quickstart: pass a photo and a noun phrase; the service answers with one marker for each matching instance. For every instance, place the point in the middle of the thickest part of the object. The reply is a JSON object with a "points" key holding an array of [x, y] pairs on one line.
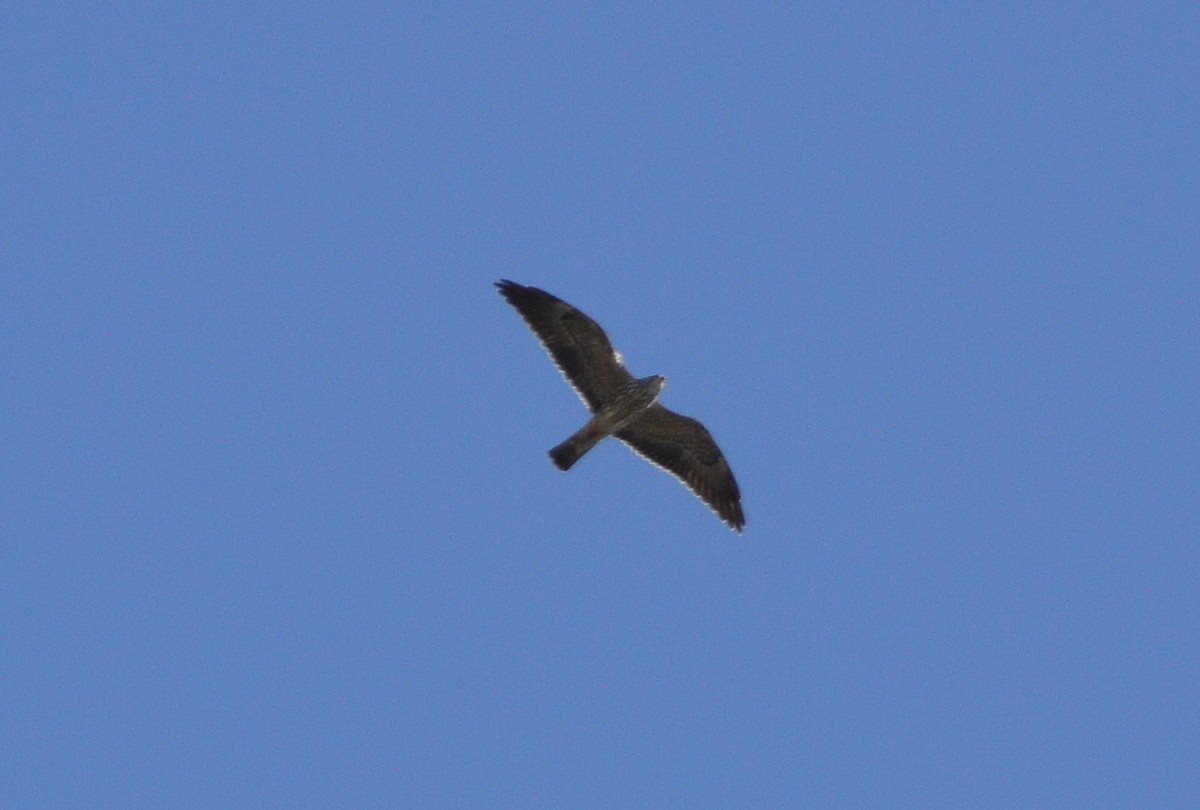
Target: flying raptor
{"points": [[623, 405]]}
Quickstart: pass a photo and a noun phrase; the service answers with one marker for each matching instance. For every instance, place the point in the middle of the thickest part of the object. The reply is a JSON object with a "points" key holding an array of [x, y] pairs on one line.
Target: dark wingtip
{"points": [[515, 293], [510, 291], [733, 515]]}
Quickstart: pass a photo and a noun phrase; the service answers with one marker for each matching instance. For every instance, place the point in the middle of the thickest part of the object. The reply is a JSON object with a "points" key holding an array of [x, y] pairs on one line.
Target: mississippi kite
{"points": [[623, 405]]}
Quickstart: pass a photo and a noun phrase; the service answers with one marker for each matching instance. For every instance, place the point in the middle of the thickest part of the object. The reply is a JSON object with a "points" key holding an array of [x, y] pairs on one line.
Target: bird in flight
{"points": [[623, 405]]}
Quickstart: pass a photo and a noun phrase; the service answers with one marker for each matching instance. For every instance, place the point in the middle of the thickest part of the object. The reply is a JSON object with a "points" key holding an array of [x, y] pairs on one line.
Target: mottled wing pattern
{"points": [[684, 447], [574, 341]]}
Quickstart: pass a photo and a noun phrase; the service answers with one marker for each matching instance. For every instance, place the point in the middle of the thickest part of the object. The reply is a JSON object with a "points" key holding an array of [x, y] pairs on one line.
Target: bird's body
{"points": [[622, 405], [630, 401]]}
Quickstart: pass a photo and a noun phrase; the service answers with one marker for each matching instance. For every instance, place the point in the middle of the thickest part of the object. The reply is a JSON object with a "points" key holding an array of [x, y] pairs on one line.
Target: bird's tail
{"points": [[570, 451]]}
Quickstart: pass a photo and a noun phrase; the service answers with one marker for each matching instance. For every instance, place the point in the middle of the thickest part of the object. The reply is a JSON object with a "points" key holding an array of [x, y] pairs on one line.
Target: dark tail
{"points": [[566, 454]]}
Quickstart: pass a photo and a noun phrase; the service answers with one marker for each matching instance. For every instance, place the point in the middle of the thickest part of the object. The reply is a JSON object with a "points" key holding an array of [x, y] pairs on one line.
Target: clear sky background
{"points": [[279, 528]]}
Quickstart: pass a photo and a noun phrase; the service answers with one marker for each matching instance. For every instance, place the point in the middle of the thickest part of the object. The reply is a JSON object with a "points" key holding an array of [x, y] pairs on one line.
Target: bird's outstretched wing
{"points": [[574, 341], [683, 447]]}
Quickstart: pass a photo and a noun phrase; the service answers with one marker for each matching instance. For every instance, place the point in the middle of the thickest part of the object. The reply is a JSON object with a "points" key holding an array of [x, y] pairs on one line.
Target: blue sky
{"points": [[279, 529]]}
